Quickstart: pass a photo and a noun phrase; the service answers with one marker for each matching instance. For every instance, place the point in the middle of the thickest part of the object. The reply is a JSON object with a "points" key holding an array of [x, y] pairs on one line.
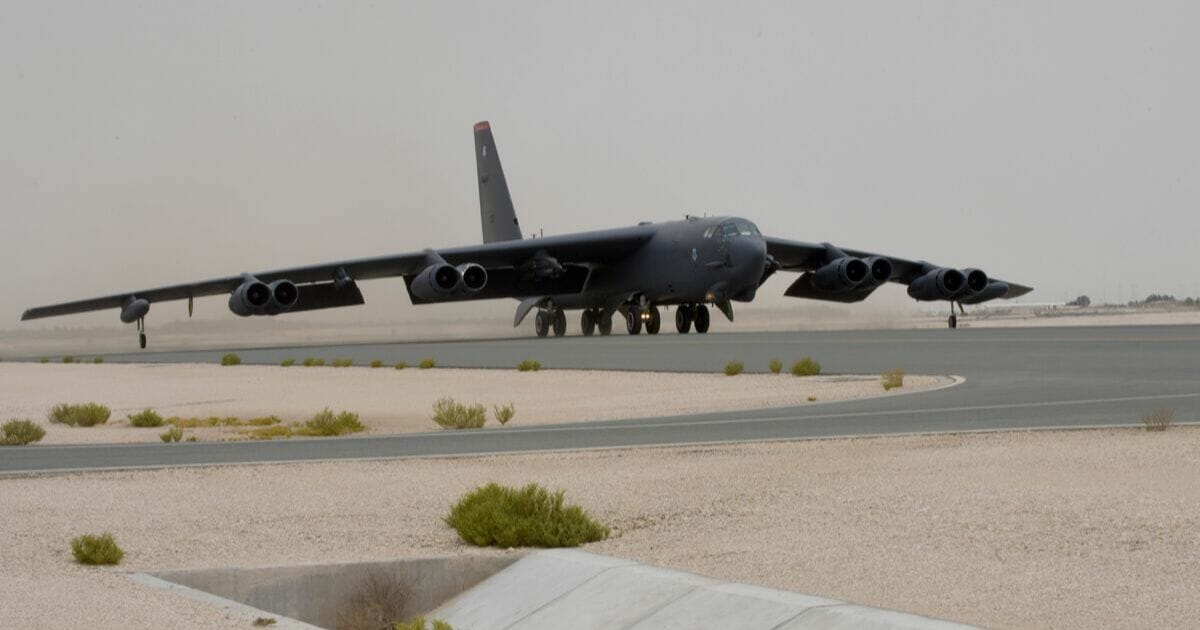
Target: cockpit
{"points": [[732, 228]]}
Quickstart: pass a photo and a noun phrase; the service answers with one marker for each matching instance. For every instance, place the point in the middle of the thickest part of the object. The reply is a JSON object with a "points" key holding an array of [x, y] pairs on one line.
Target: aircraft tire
{"points": [[587, 322], [953, 321], [655, 322], [604, 323], [560, 322], [683, 319], [702, 320], [541, 323], [633, 321]]}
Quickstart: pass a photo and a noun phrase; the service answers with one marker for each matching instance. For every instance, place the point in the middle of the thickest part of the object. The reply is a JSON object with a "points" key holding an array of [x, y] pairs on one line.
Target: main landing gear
{"points": [[635, 318], [952, 321], [141, 328], [593, 319], [550, 318], [688, 315]]}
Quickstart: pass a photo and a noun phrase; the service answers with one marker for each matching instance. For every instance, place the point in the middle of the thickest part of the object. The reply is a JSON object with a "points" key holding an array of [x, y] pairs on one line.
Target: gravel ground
{"points": [[1066, 529], [393, 401]]}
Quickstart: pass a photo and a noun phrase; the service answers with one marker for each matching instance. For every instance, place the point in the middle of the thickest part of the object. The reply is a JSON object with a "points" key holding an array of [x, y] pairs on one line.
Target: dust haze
{"points": [[1052, 144]]}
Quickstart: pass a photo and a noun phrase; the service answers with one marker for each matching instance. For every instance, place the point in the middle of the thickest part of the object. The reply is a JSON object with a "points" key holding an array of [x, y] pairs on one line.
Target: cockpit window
{"points": [[746, 228], [730, 229]]}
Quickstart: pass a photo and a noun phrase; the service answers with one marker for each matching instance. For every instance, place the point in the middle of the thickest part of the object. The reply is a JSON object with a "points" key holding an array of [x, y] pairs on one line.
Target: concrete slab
{"points": [[524, 587], [549, 590], [731, 606]]}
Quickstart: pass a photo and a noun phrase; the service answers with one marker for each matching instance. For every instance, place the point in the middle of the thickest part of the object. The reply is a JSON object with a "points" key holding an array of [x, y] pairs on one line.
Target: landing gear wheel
{"points": [[701, 319], [587, 322], [633, 321], [560, 322], [541, 323], [142, 340], [683, 319], [655, 322], [953, 321], [604, 323]]}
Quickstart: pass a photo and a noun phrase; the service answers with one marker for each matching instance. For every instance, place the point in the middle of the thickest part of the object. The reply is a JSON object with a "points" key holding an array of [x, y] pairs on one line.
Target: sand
{"points": [[394, 401], [1064, 529]]}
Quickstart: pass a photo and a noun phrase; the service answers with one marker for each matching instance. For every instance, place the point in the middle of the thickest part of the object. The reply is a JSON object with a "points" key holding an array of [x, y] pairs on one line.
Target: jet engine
{"points": [[881, 270], [843, 274], [284, 296], [251, 298], [439, 281], [473, 277], [134, 309], [977, 281], [938, 284]]}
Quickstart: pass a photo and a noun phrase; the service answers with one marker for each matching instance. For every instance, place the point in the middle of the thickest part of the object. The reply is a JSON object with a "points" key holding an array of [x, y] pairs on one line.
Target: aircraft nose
{"points": [[749, 255]]}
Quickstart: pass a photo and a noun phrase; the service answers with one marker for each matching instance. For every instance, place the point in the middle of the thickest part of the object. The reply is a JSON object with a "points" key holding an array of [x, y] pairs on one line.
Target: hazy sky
{"points": [[1051, 143]]}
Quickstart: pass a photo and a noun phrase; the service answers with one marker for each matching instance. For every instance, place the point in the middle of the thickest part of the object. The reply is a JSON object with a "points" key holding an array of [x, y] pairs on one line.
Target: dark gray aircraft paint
{"points": [[1016, 378], [633, 271]]}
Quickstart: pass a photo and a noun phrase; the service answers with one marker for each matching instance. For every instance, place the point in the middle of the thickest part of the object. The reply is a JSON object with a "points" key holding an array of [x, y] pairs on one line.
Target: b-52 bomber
{"points": [[632, 271]]}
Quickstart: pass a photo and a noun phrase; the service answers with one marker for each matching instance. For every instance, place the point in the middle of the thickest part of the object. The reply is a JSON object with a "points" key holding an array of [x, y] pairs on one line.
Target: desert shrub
{"points": [[529, 365], [532, 516], [288, 362], [269, 433], [190, 438], [376, 604], [327, 423], [20, 433], [313, 362], [377, 363], [427, 363], [174, 434], [806, 367], [450, 414], [419, 623], [401, 365], [263, 622], [733, 368], [102, 549], [264, 421], [44, 360], [97, 360], [776, 366], [230, 421], [146, 418], [893, 379], [68, 359], [342, 362], [84, 415], [231, 359], [504, 413], [1159, 419], [812, 399]]}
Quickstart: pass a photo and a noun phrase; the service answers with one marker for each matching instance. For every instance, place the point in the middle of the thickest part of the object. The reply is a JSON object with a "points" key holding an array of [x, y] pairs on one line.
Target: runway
{"points": [[1015, 378]]}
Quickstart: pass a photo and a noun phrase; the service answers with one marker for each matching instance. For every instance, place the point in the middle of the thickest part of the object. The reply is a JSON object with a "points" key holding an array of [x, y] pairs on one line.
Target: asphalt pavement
{"points": [[1015, 378]]}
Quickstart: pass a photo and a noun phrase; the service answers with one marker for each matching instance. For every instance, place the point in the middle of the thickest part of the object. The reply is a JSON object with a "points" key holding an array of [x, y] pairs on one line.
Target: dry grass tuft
{"points": [[20, 433], [504, 413], [893, 379], [733, 368], [376, 604], [806, 367], [102, 549], [83, 415], [450, 414], [1159, 419], [776, 366]]}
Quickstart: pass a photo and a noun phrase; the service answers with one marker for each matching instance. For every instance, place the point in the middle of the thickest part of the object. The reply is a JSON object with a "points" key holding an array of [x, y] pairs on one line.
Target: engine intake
{"points": [[438, 282], [251, 298], [284, 295], [881, 270], [977, 281], [938, 284], [474, 277], [841, 275]]}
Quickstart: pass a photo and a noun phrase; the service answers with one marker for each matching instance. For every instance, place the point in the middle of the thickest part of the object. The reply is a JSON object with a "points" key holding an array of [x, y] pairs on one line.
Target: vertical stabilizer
{"points": [[495, 204]]}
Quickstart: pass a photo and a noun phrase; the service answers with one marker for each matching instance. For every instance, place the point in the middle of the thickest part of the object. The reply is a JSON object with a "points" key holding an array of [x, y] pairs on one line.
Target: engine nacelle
{"points": [[939, 284], [881, 270], [977, 281], [251, 298], [437, 282], [134, 310], [284, 295], [472, 278], [841, 275]]}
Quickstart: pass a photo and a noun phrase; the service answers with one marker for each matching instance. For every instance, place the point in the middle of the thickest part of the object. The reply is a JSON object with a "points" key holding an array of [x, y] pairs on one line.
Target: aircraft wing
{"points": [[507, 262], [808, 257]]}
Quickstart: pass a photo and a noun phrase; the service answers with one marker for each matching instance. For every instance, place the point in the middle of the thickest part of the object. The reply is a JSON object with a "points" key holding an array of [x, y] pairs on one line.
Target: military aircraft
{"points": [[633, 271]]}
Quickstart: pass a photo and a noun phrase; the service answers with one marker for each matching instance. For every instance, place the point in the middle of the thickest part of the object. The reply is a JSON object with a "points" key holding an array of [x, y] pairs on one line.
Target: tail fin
{"points": [[495, 204]]}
